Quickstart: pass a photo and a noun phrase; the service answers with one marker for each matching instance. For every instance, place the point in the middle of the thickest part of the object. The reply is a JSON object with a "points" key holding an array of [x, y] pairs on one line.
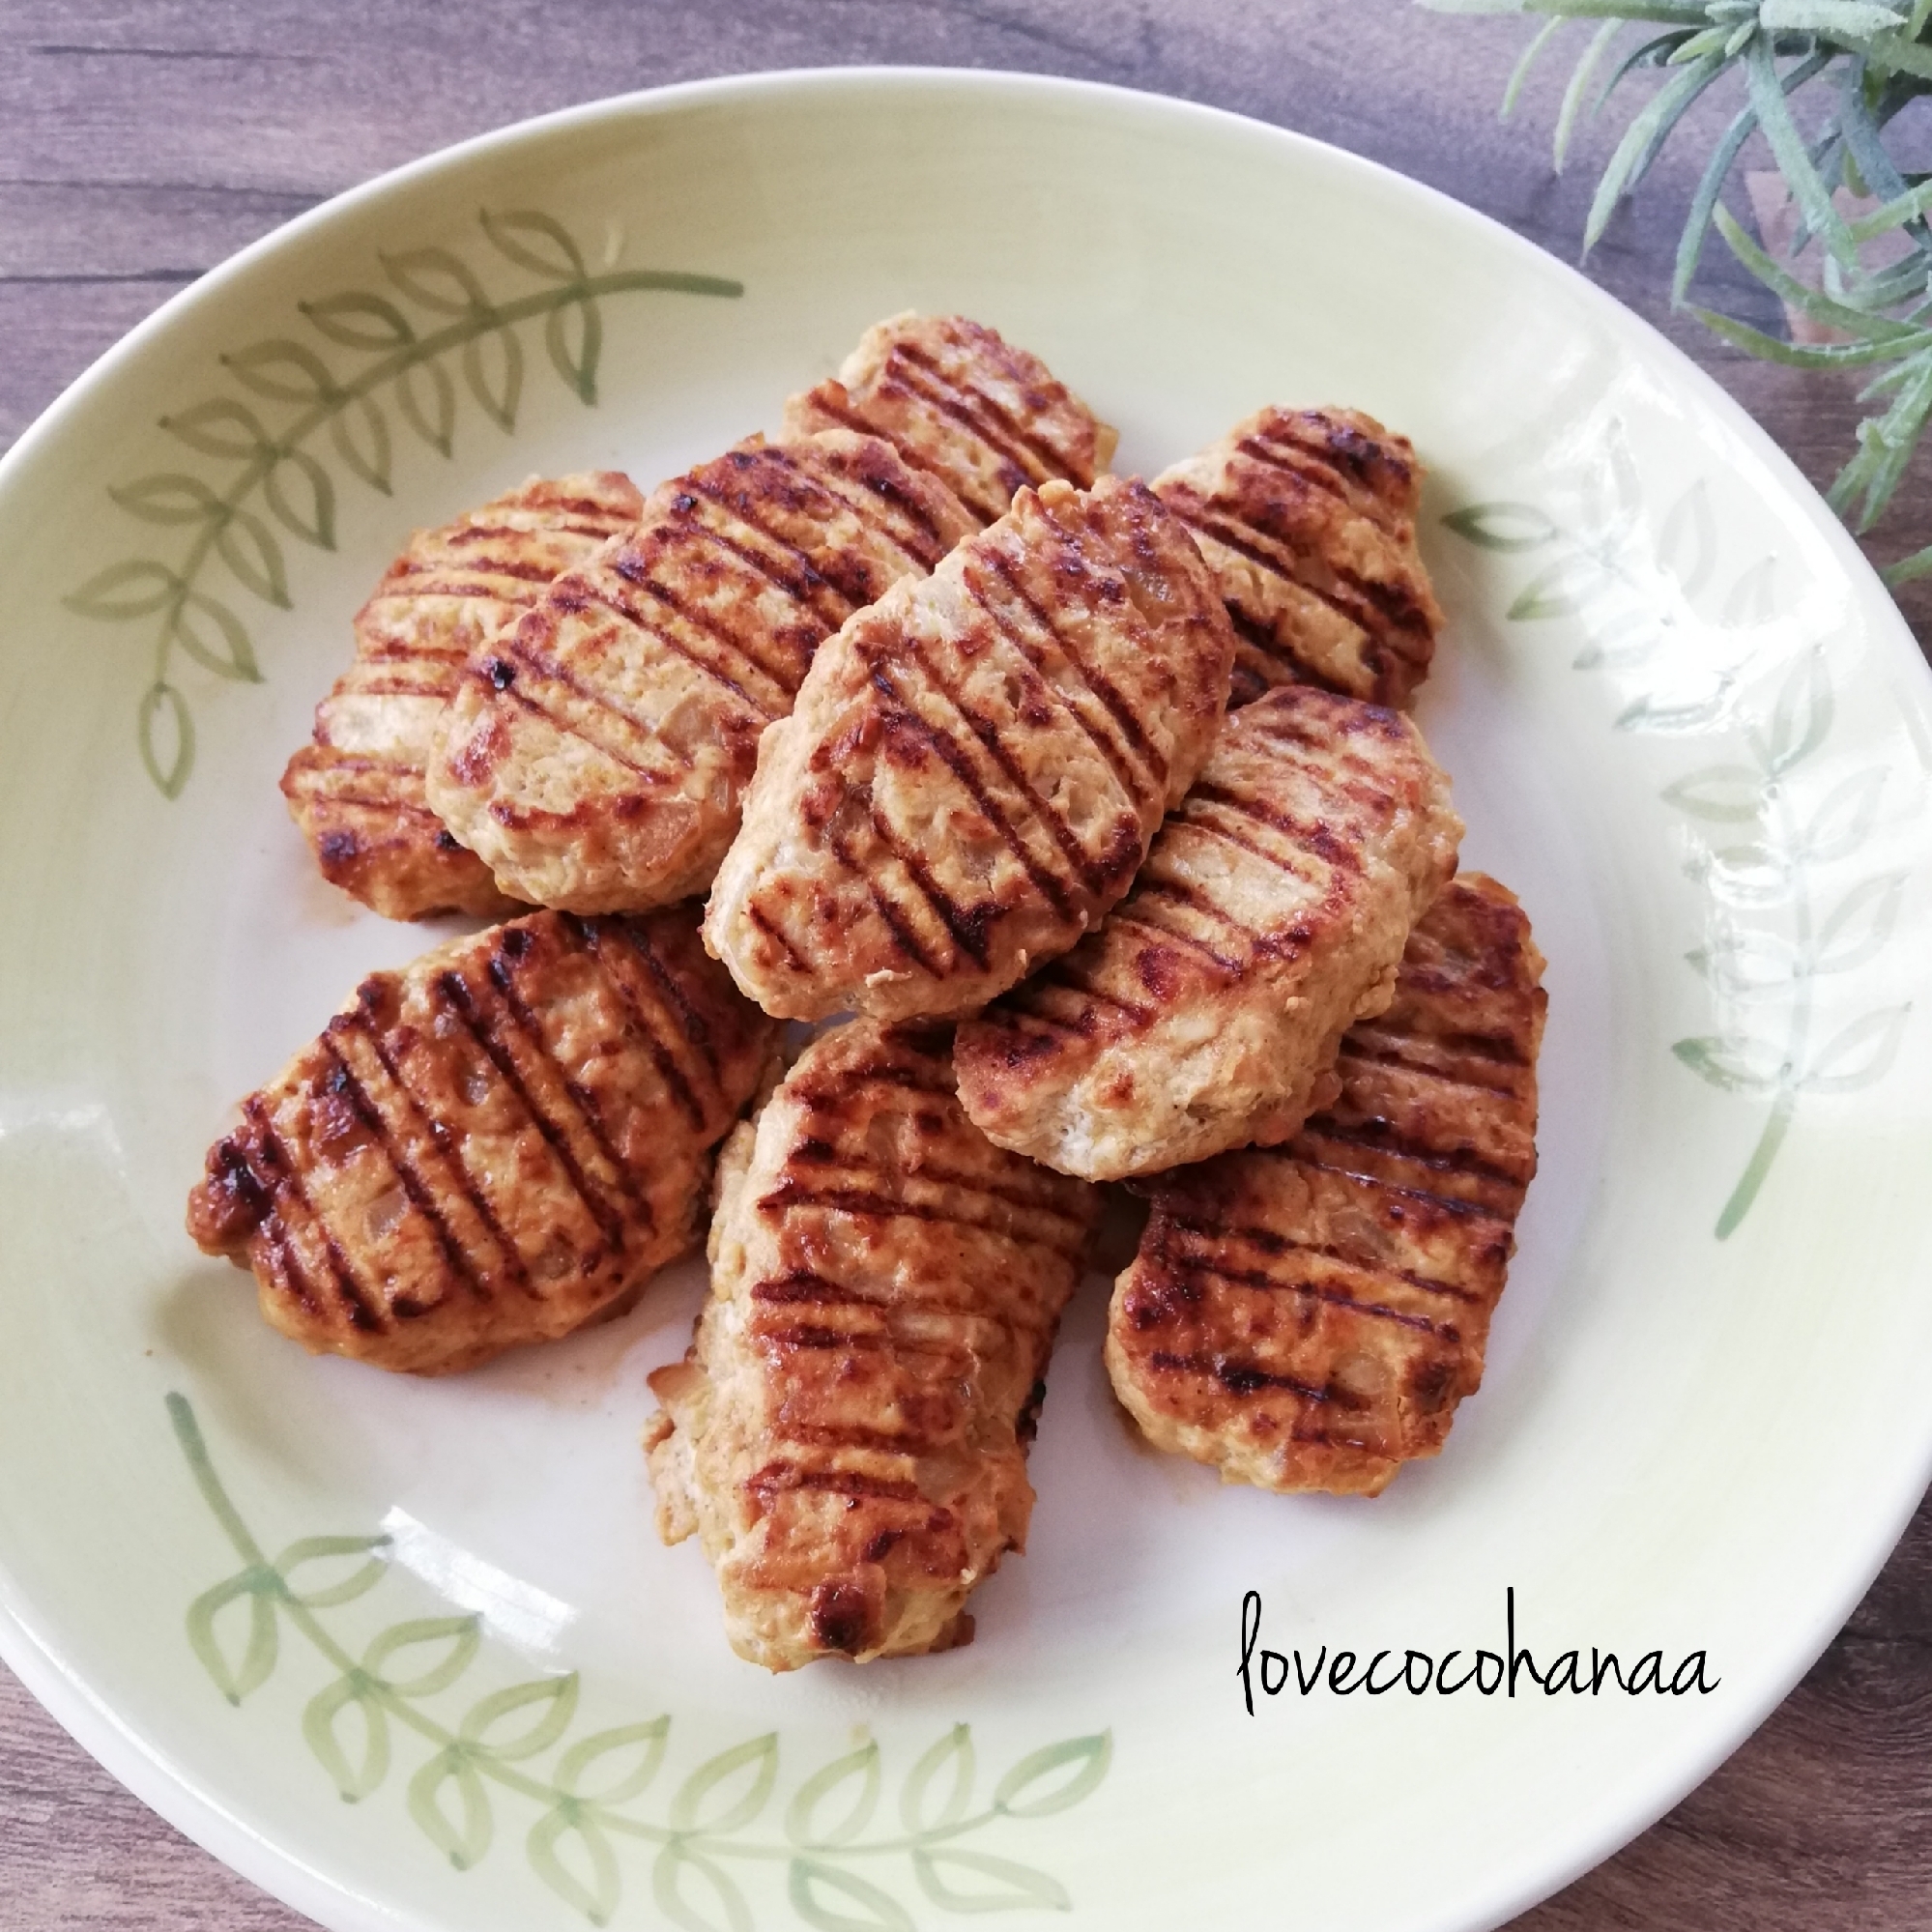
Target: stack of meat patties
{"points": [[939, 716]]}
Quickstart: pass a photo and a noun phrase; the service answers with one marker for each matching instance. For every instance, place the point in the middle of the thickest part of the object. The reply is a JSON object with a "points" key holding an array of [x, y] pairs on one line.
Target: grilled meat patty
{"points": [[1271, 913], [1306, 519], [956, 400], [594, 753], [490, 1147], [848, 1432], [976, 764], [1308, 1317], [357, 791]]}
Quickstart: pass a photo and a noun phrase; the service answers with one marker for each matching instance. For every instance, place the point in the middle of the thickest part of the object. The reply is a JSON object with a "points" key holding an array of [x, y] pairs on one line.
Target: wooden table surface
{"points": [[142, 143]]}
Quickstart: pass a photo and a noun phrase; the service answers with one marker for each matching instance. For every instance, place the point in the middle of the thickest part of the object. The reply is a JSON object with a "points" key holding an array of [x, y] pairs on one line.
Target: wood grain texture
{"points": [[142, 143]]}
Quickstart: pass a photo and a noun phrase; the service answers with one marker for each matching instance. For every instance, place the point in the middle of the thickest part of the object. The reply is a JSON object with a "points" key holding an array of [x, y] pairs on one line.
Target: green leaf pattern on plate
{"points": [[1755, 846], [391, 362], [484, 1767]]}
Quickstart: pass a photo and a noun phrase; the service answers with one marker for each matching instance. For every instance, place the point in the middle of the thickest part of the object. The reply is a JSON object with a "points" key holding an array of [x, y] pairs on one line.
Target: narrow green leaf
{"points": [[1735, 1066], [361, 321], [1646, 134], [219, 428], [360, 434], [300, 493], [536, 242], [597, 1887], [993, 1884], [922, 1809], [1520, 73], [1909, 569], [1858, 1055], [1502, 525], [1809, 301], [131, 589], [688, 1906], [811, 1820], [321, 1727], [728, 1791], [1844, 20], [169, 498], [442, 1649], [544, 1706], [166, 733], [1893, 53], [1034, 1788], [1794, 354], [284, 371], [215, 637], [463, 1835], [626, 1759], [854, 1904], [1794, 163], [1579, 81], [1725, 794]]}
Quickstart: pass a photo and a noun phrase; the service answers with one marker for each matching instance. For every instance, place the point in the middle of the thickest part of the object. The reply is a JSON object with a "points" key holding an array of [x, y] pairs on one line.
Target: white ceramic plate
{"points": [[1683, 720]]}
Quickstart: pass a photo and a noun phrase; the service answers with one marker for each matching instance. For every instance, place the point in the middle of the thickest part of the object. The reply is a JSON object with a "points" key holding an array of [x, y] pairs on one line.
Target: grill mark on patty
{"points": [[909, 452], [1133, 782], [788, 1195], [1179, 1267], [952, 753], [586, 940], [1280, 1246], [867, 507], [1390, 1057], [887, 909], [1382, 1141], [283, 1186], [421, 1197], [871, 494], [1096, 681], [630, 571], [458, 1001], [449, 1142], [500, 970], [1237, 1378], [1008, 436], [695, 1033], [1132, 913]]}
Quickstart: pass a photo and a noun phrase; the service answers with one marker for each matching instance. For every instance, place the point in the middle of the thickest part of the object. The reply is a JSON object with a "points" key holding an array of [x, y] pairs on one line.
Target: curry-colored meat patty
{"points": [[848, 1432], [593, 755], [1271, 914], [1308, 1317], [977, 763], [955, 399], [492, 1146], [1306, 519], [357, 791]]}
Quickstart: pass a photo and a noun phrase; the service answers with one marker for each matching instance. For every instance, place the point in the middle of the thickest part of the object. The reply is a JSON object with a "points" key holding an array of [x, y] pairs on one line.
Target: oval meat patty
{"points": [[593, 755], [358, 791], [1271, 913], [848, 1432], [1306, 519], [492, 1146], [976, 764], [1308, 1317], [955, 399]]}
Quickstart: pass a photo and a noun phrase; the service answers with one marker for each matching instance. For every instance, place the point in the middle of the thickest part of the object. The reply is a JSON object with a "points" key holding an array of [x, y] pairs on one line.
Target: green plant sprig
{"points": [[1873, 57]]}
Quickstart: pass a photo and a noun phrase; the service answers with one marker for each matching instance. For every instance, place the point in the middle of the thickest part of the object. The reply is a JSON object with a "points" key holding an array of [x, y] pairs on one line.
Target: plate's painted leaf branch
{"points": [[321, 1730], [359, 433], [1726, 794], [432, 415], [1801, 719], [332, 1556], [1860, 1055], [1054, 1777], [681, 1879], [255, 1590], [727, 1792], [1503, 526], [1858, 926], [297, 490], [624, 1761], [939, 1787], [166, 735], [449, 1803], [435, 1651], [1737, 1066], [964, 1881], [830, 1900], [835, 1804], [1844, 816], [570, 1836], [521, 1721]]}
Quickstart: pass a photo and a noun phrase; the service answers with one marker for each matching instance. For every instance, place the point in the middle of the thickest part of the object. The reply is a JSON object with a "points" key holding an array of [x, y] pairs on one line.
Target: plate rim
{"points": [[30, 1650]]}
